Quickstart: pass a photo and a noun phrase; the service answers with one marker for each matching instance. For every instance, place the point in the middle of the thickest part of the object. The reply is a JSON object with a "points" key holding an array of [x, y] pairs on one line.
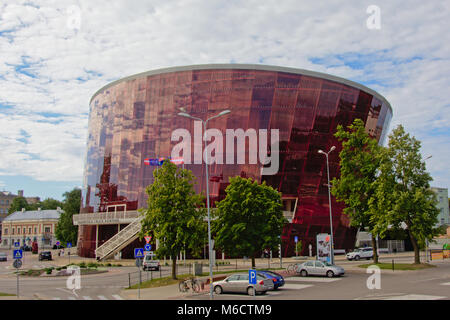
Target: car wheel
{"points": [[250, 291], [357, 258], [304, 273], [330, 274], [218, 290]]}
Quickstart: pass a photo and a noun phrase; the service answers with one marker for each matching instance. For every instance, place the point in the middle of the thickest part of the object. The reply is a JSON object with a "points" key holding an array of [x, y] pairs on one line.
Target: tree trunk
{"points": [[375, 249], [174, 267], [416, 248]]}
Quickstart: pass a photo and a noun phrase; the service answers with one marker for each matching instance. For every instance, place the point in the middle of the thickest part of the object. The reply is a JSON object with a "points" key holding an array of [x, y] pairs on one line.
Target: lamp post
{"points": [[329, 202], [426, 240], [205, 122]]}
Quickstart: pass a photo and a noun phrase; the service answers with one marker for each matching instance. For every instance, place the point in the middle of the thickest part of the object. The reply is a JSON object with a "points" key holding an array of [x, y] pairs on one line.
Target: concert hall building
{"points": [[133, 119]]}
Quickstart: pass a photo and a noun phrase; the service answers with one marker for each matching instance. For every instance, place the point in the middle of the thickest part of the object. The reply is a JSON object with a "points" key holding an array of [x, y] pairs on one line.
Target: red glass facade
{"points": [[133, 119]]}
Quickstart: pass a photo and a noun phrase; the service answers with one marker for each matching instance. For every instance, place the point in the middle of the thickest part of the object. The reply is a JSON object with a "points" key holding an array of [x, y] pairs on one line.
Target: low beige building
{"points": [[26, 227]]}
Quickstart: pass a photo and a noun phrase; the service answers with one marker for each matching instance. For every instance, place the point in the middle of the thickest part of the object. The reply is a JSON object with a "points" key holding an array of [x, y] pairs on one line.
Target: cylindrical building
{"points": [[135, 118]]}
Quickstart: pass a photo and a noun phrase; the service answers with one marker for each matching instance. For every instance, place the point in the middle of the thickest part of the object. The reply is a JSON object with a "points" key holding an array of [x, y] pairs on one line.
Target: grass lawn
{"points": [[6, 294], [399, 266]]}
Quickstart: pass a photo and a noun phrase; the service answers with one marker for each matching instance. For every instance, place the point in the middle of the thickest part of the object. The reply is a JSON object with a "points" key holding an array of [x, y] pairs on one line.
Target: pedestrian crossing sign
{"points": [[17, 254], [138, 253]]}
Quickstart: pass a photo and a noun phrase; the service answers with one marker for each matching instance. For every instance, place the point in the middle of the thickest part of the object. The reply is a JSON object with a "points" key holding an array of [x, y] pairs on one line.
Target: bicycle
{"points": [[292, 268], [190, 284]]}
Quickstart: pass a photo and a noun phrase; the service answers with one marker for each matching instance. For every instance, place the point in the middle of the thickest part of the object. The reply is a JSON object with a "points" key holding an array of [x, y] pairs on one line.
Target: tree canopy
{"points": [[360, 160], [66, 231], [175, 213], [249, 219]]}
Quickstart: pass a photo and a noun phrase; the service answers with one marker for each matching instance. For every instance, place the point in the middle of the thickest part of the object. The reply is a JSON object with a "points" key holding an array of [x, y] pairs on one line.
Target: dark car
{"points": [[25, 248], [58, 247], [45, 255], [278, 280]]}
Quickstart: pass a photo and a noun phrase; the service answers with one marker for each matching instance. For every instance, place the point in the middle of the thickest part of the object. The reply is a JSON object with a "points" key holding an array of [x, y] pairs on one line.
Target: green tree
{"points": [[175, 213], [359, 164], [403, 195], [66, 231], [49, 204], [249, 219], [17, 204]]}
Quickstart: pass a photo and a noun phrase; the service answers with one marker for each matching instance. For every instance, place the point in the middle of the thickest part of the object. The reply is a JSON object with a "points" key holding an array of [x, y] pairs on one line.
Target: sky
{"points": [[54, 55]]}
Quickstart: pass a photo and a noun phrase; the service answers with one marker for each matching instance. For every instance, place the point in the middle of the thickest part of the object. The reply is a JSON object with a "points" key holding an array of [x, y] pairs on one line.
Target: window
{"points": [[5, 241], [13, 231], [35, 230], [6, 231], [318, 264], [47, 229], [309, 264], [29, 230], [7, 201], [233, 278], [24, 230], [18, 230]]}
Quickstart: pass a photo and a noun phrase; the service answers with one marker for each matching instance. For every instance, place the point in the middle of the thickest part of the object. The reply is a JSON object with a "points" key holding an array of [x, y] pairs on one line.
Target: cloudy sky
{"points": [[54, 55]]}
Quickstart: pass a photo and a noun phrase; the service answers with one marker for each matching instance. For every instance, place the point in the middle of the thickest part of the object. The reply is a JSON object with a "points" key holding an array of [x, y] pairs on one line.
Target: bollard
{"points": [[129, 281], [392, 264]]}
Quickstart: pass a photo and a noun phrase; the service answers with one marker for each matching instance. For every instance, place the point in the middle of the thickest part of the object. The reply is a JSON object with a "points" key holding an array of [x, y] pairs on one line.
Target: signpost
{"points": [[139, 254], [296, 242], [69, 245], [17, 255], [252, 279]]}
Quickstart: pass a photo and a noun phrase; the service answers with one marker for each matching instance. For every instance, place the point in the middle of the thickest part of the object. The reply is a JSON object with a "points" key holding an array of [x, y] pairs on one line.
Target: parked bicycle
{"points": [[292, 268], [190, 284]]}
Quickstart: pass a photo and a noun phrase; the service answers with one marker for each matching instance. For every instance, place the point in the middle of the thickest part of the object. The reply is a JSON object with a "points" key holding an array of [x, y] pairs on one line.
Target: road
{"points": [[431, 283]]}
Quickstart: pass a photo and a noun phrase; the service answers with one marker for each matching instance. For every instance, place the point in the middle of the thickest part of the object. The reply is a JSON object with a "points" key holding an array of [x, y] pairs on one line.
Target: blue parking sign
{"points": [[138, 253], [252, 276], [17, 254]]}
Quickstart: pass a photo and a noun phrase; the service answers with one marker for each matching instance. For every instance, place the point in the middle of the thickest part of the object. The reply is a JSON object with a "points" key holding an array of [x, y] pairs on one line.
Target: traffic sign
{"points": [[16, 244], [252, 276], [17, 263], [148, 247], [148, 238], [296, 239], [69, 245], [58, 243], [18, 254], [138, 252]]}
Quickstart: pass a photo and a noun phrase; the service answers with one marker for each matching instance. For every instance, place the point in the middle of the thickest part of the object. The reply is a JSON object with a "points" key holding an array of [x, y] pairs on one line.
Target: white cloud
{"points": [[407, 61]]}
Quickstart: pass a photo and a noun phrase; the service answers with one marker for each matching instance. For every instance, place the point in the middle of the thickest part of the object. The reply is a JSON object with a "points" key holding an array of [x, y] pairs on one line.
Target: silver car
{"points": [[319, 268], [238, 282], [3, 256]]}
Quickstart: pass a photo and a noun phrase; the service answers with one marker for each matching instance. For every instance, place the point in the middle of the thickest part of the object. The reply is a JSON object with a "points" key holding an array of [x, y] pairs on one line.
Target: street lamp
{"points": [[329, 202], [426, 240], [205, 122]]}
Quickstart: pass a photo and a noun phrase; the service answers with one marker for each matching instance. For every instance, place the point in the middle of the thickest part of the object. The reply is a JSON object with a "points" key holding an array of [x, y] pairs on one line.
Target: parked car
{"points": [[320, 268], [150, 262], [362, 253], [25, 248], [45, 255], [34, 247], [3, 256], [238, 283], [58, 247], [278, 280]]}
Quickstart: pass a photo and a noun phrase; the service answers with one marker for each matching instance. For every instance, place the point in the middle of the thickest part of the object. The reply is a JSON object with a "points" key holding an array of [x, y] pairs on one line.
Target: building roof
{"points": [[34, 215], [7, 193], [258, 67]]}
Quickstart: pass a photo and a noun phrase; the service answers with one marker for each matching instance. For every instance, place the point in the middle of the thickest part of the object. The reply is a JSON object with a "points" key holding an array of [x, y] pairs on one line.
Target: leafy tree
{"points": [[403, 195], [49, 204], [17, 204], [359, 164], [249, 219], [175, 213], [65, 229]]}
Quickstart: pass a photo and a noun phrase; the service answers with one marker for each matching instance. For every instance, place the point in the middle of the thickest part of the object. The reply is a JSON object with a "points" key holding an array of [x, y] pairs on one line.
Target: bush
{"points": [[82, 265], [92, 265]]}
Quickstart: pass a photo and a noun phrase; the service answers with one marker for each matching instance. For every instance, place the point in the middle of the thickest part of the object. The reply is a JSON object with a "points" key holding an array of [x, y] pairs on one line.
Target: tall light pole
{"points": [[205, 122], [426, 240], [329, 202]]}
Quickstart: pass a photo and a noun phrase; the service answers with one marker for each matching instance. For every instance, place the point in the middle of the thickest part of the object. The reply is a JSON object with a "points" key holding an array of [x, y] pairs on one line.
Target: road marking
{"points": [[56, 298], [309, 279], [445, 284], [102, 298], [117, 297], [87, 298], [295, 286], [71, 298], [415, 297]]}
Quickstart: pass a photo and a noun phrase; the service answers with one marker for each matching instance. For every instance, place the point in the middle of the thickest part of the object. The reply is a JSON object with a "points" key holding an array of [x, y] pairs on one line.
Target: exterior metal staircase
{"points": [[120, 240]]}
